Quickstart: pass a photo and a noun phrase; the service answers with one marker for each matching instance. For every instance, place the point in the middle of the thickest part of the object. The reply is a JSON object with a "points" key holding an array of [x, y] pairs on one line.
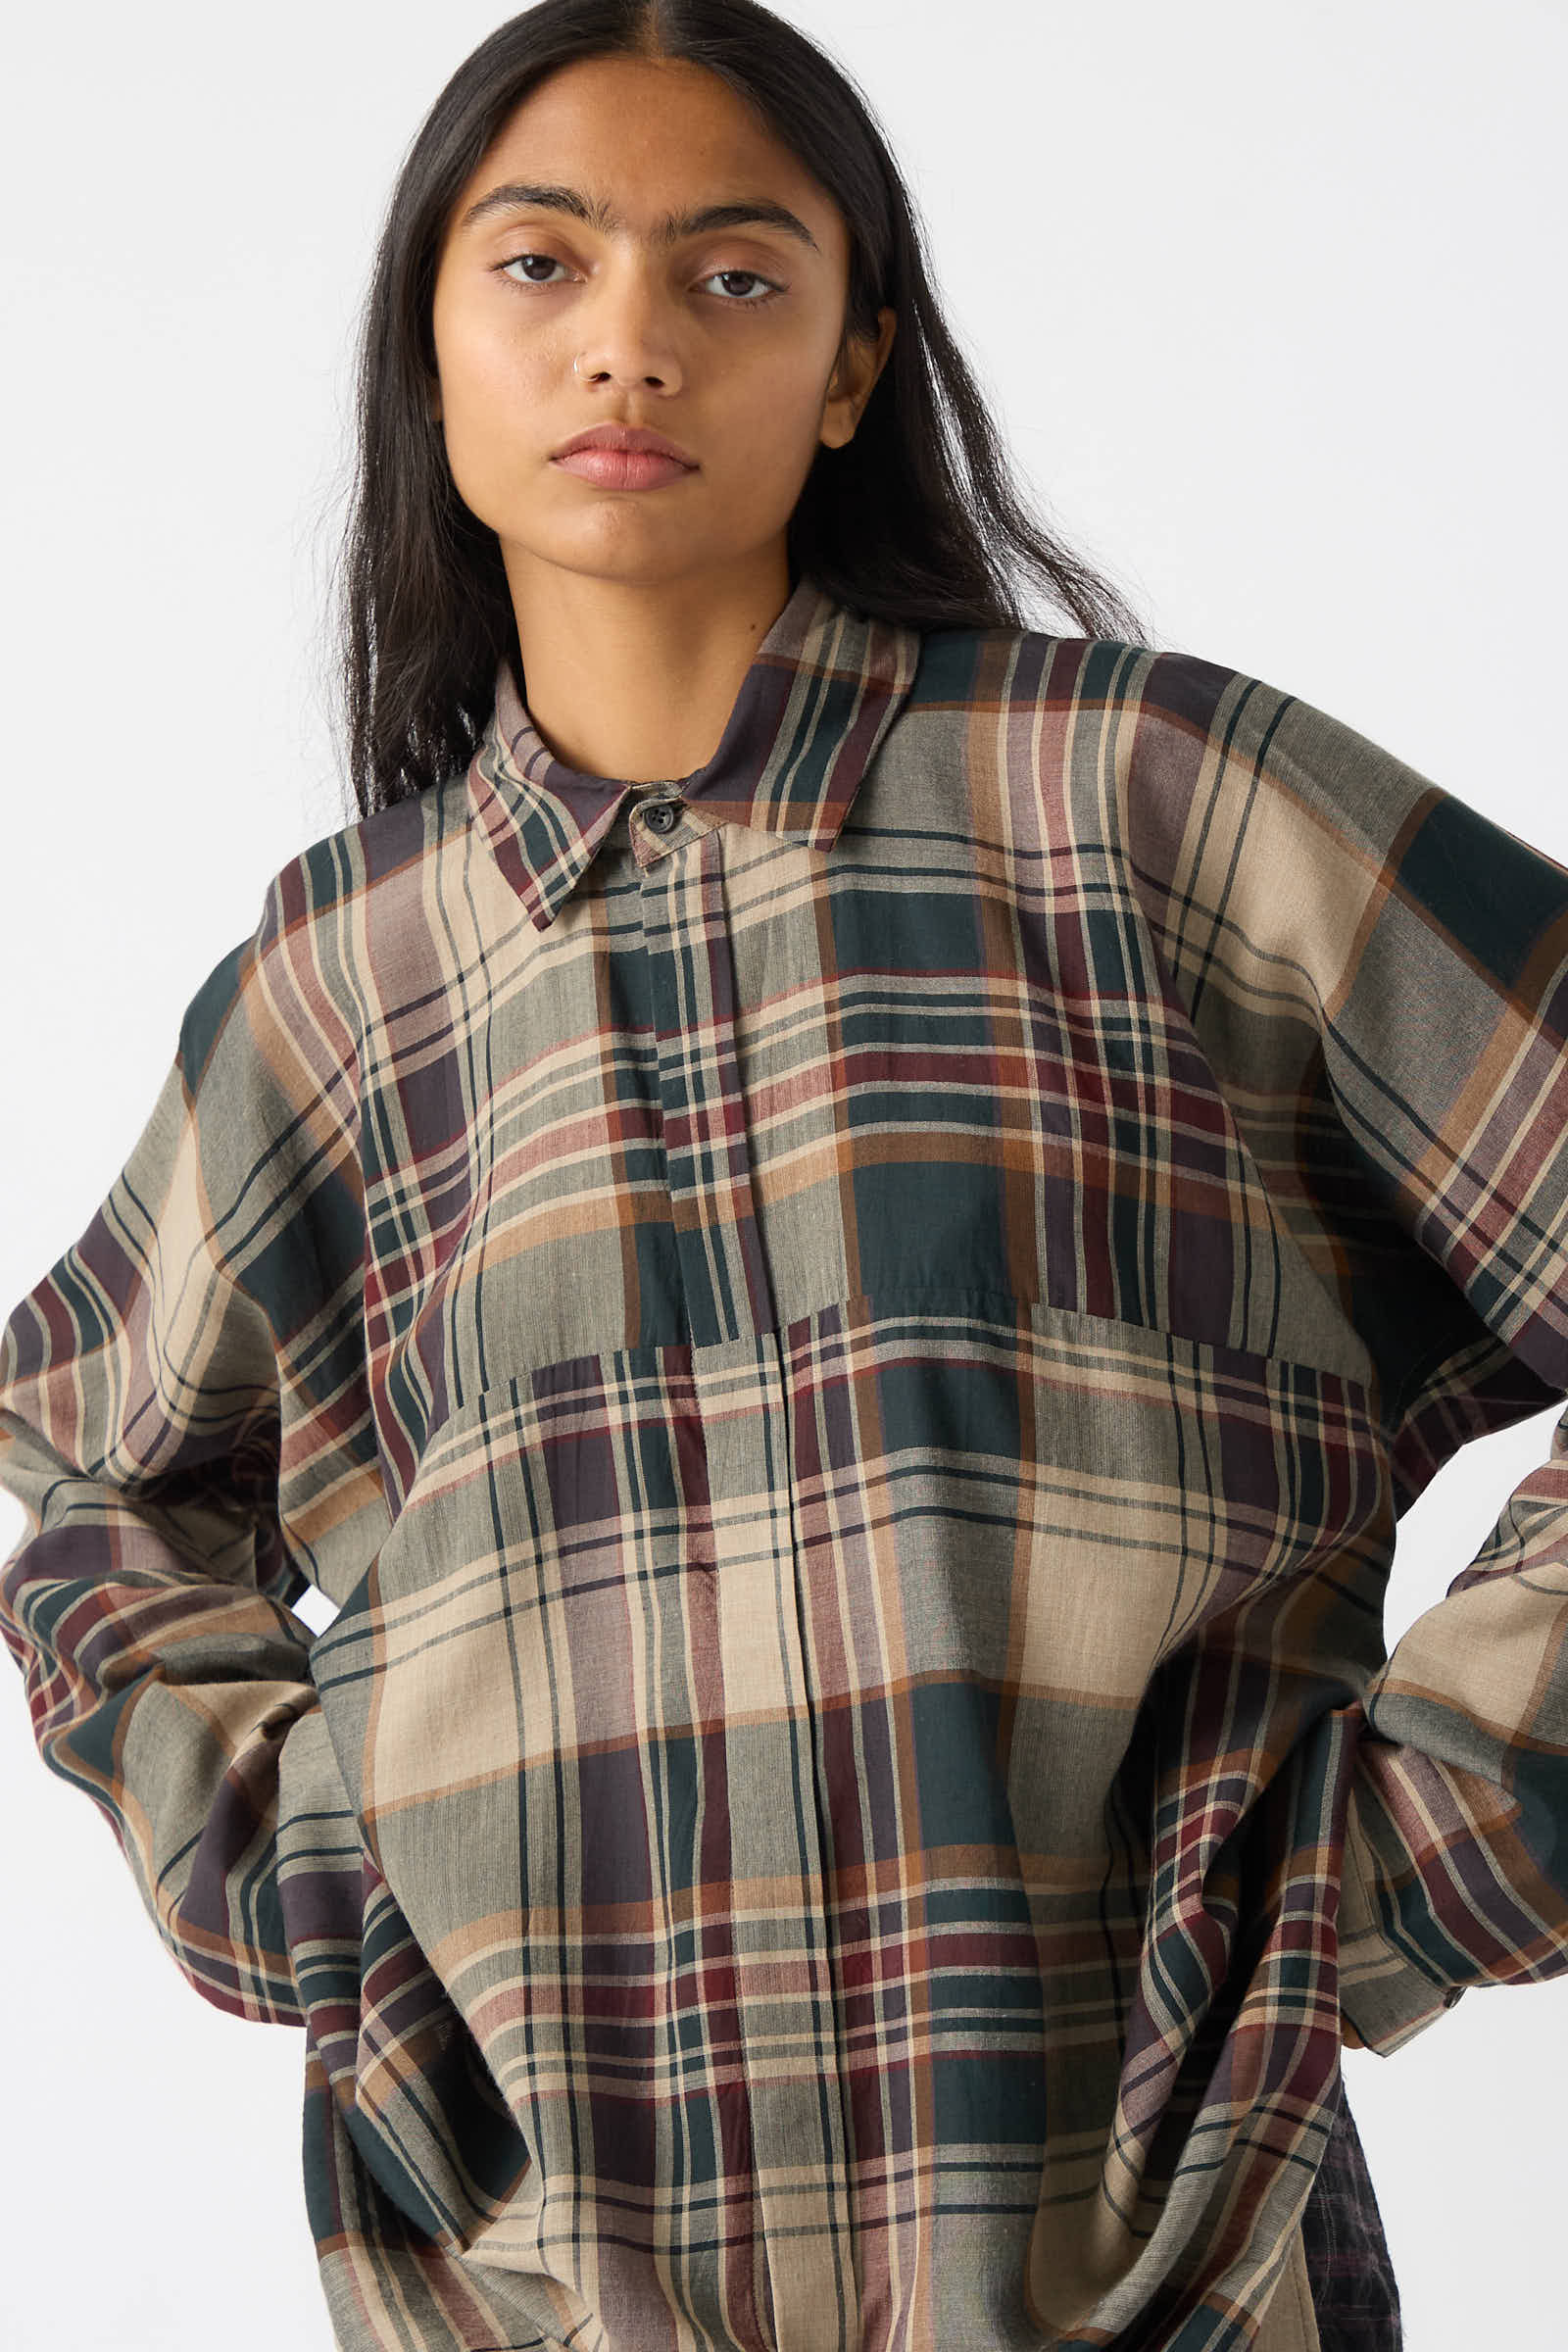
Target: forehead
{"points": [[646, 135]]}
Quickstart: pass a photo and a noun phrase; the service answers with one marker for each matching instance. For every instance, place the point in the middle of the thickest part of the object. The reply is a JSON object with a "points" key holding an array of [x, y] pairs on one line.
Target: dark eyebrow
{"points": [[514, 193]]}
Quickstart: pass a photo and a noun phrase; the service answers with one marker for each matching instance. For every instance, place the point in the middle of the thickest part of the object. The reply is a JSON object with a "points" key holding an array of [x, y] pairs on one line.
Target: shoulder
{"points": [[1245, 816], [1167, 724], [1155, 705], [295, 986], [1099, 725]]}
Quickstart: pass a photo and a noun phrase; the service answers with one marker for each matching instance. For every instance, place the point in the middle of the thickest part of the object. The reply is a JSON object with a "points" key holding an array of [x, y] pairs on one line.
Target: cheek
{"points": [[778, 408], [485, 362], [496, 377], [497, 416]]}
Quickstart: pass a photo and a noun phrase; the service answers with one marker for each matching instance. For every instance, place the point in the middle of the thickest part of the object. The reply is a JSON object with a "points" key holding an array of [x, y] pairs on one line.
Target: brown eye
{"points": [[752, 302], [548, 259]]}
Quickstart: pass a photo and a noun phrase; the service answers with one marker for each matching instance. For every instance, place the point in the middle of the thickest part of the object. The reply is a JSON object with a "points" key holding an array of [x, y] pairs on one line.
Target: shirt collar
{"points": [[823, 688]]}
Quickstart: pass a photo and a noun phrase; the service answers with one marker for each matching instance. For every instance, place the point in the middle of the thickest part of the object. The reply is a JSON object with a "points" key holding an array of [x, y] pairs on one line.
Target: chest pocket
{"points": [[953, 1080]]}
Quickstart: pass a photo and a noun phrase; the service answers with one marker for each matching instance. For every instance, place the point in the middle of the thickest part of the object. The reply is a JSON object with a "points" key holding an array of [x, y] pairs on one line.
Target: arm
{"points": [[1410, 957], [172, 1421]]}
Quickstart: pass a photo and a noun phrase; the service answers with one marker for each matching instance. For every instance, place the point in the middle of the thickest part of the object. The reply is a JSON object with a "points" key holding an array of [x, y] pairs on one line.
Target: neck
{"points": [[637, 679]]}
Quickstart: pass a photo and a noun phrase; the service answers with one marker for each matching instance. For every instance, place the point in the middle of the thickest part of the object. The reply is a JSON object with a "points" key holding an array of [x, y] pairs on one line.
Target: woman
{"points": [[836, 1225]]}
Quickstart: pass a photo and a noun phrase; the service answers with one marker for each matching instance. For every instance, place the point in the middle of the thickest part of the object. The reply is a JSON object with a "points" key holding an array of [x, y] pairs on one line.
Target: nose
{"points": [[627, 336]]}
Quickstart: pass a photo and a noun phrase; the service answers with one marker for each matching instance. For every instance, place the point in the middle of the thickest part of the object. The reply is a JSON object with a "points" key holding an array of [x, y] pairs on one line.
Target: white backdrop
{"points": [[1269, 302]]}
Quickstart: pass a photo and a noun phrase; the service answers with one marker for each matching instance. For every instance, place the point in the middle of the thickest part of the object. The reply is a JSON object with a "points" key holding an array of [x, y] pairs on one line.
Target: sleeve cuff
{"points": [[1388, 1997]]}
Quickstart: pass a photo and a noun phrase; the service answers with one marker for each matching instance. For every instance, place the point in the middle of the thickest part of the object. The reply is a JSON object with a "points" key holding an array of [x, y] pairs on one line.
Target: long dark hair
{"points": [[915, 520]]}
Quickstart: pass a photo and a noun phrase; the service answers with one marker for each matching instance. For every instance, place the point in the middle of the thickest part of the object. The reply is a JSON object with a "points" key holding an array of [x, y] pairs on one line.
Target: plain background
{"points": [[1268, 300]]}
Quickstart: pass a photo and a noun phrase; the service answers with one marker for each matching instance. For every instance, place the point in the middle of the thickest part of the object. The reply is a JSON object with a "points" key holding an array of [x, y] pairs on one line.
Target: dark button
{"points": [[662, 814]]}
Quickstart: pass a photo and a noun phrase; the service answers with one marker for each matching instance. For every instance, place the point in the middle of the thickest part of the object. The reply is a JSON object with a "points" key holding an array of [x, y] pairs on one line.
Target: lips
{"points": [[623, 468], [640, 438]]}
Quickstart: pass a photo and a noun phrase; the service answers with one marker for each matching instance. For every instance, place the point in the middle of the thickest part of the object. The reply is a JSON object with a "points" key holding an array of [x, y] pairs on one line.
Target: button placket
{"points": [[784, 1975], [725, 1272], [795, 2066]]}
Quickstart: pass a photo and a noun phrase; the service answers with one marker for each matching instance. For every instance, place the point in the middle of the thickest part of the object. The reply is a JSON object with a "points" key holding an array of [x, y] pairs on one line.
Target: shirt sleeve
{"points": [[181, 1421], [1422, 949]]}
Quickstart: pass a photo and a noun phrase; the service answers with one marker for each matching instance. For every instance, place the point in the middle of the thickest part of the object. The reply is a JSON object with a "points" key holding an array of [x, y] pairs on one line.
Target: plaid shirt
{"points": [[848, 1341]]}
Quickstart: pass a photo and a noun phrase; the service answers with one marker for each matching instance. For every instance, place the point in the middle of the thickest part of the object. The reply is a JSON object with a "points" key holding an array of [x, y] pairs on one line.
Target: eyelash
{"points": [[755, 302]]}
